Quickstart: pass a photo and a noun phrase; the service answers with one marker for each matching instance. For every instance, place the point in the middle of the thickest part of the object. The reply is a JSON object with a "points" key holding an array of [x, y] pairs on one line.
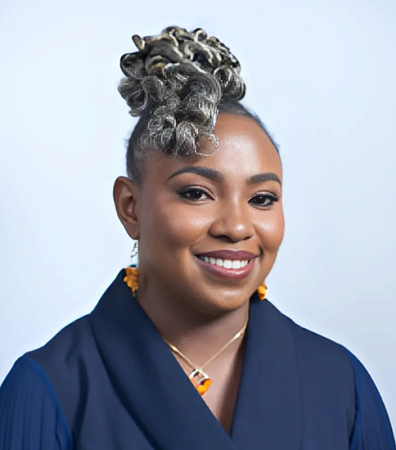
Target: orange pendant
{"points": [[200, 381]]}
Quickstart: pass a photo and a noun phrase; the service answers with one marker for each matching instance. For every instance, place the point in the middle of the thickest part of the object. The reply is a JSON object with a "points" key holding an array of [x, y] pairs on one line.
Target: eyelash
{"points": [[267, 196], [186, 193]]}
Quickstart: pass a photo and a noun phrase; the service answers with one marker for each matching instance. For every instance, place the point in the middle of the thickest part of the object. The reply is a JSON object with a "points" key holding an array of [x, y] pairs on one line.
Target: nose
{"points": [[233, 222]]}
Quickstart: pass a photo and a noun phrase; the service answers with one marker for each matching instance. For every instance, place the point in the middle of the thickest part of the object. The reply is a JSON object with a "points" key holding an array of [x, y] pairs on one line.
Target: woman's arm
{"points": [[372, 430], [30, 416]]}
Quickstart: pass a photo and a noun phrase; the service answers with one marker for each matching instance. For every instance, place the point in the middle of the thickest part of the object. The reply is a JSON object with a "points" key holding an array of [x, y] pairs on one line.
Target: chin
{"points": [[220, 301]]}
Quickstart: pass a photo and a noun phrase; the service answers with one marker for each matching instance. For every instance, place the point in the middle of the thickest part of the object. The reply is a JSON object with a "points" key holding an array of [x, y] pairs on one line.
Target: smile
{"points": [[226, 263]]}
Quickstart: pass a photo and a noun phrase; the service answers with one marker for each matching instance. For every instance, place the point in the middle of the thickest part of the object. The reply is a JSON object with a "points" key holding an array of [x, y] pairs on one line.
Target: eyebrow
{"points": [[215, 175], [203, 171], [260, 177]]}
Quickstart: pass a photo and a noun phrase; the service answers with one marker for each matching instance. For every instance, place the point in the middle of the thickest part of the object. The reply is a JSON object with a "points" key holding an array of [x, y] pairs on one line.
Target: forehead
{"points": [[244, 142], [244, 150]]}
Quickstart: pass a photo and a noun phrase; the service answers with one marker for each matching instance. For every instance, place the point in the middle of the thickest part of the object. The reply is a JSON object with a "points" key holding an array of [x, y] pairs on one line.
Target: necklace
{"points": [[198, 377]]}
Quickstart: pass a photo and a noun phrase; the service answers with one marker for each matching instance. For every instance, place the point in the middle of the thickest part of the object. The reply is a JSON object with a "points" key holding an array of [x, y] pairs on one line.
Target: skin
{"points": [[176, 217]]}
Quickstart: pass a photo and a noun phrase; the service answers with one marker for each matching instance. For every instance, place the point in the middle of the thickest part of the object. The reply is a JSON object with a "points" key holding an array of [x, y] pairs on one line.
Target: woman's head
{"points": [[204, 184]]}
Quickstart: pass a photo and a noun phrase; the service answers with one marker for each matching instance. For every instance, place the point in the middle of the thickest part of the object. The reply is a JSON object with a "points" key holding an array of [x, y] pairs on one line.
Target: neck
{"points": [[196, 334]]}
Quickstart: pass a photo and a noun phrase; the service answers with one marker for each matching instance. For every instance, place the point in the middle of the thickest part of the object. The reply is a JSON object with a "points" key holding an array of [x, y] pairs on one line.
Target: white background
{"points": [[321, 74]]}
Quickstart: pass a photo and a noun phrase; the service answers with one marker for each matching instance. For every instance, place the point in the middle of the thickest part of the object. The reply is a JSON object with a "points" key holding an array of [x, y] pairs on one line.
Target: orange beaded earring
{"points": [[132, 279], [262, 291], [132, 273]]}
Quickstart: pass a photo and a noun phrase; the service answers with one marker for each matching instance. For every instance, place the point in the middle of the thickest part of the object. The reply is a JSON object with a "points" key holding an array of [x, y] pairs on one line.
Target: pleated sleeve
{"points": [[372, 430], [30, 416]]}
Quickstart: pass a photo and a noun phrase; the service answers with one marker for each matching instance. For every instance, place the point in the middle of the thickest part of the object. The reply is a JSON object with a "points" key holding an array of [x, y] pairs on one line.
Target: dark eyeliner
{"points": [[267, 195], [183, 193]]}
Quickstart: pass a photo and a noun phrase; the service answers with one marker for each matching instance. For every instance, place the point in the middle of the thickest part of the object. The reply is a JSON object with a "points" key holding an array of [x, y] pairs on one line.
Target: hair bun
{"points": [[180, 77], [177, 51]]}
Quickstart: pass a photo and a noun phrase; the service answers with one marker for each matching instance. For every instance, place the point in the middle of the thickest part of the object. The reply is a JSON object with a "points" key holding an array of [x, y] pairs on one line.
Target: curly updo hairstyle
{"points": [[178, 82]]}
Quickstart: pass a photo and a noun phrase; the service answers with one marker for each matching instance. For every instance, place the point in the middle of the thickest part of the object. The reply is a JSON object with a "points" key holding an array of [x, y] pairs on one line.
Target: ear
{"points": [[126, 196]]}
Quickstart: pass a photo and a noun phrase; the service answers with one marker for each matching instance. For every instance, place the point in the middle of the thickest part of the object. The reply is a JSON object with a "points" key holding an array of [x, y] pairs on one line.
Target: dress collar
{"points": [[161, 399]]}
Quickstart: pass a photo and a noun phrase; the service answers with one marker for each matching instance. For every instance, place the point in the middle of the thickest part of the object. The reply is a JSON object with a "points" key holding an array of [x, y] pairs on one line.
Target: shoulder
{"points": [[321, 353], [61, 358], [51, 382], [331, 374], [325, 374], [321, 363], [72, 339], [67, 361], [372, 428], [30, 411]]}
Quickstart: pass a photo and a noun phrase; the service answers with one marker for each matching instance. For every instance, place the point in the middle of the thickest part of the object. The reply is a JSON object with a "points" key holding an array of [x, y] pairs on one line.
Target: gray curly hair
{"points": [[178, 82]]}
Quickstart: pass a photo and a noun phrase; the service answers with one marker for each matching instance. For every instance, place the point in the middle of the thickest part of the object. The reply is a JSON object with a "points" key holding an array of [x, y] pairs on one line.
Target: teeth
{"points": [[236, 264], [226, 263]]}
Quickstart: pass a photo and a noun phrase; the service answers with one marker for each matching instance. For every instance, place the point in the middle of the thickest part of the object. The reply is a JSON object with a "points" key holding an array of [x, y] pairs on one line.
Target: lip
{"points": [[228, 274], [241, 255]]}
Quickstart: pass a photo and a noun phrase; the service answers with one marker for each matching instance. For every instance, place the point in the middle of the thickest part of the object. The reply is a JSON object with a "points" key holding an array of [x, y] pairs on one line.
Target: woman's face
{"points": [[209, 227]]}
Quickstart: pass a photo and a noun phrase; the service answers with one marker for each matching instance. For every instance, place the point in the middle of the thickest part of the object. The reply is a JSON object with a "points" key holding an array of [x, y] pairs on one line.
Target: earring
{"points": [[135, 249], [132, 279], [262, 291]]}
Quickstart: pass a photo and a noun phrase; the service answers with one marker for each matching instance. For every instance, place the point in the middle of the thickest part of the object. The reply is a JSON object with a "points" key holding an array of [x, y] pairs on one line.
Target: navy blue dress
{"points": [[107, 381]]}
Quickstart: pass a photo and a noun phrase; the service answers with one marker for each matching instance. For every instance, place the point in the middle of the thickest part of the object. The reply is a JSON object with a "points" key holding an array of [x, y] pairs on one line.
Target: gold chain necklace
{"points": [[198, 377]]}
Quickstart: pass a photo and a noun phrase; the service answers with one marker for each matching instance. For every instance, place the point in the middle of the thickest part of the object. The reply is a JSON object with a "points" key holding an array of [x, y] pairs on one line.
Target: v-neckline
{"points": [[160, 397]]}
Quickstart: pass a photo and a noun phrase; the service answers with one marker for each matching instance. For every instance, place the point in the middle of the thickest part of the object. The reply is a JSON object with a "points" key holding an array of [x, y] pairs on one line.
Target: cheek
{"points": [[170, 224], [271, 231]]}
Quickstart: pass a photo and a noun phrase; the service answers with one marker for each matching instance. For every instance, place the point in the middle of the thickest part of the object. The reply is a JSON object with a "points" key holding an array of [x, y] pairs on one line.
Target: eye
{"points": [[264, 200], [193, 193]]}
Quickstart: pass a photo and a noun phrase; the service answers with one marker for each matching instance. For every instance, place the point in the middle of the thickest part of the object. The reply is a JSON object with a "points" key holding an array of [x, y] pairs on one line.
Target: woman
{"points": [[185, 351]]}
